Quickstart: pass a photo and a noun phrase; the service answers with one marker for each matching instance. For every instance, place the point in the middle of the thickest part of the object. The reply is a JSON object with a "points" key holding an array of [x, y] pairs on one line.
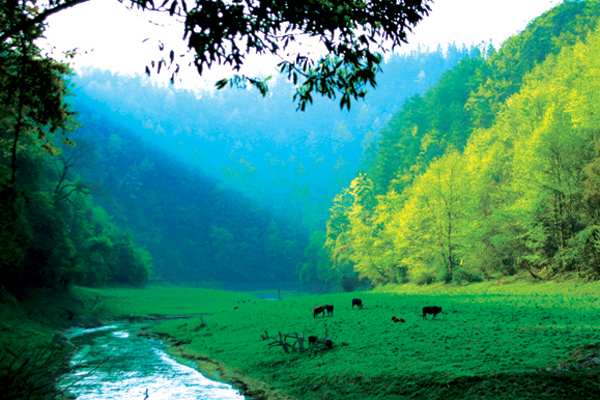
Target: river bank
{"points": [[113, 363], [248, 386], [34, 354]]}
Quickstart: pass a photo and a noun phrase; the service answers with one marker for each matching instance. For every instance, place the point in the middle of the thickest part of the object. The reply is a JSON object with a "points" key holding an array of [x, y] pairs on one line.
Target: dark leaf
{"points": [[220, 84]]}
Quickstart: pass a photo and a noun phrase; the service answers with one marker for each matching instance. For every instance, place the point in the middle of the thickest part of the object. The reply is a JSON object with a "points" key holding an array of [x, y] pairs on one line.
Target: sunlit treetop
{"points": [[352, 35]]}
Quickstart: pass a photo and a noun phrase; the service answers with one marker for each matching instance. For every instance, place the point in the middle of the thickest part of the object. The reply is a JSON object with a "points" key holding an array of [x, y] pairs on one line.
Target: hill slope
{"points": [[491, 173]]}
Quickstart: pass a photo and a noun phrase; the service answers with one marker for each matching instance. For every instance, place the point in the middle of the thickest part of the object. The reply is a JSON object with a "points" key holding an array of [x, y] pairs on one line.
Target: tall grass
{"points": [[34, 372]]}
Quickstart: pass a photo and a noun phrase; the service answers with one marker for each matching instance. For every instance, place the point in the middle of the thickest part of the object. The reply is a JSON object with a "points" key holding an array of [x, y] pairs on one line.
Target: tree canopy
{"points": [[352, 35], [492, 173], [50, 232]]}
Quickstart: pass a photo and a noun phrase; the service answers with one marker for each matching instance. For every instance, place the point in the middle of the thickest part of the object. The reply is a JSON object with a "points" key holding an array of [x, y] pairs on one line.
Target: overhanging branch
{"points": [[29, 22]]}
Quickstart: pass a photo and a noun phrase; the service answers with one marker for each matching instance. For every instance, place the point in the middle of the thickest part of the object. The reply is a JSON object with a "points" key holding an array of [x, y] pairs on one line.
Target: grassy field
{"points": [[492, 341], [153, 301]]}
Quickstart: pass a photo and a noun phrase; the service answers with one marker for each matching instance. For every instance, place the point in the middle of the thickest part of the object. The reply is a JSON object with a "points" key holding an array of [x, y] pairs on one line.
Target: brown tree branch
{"points": [[29, 22]]}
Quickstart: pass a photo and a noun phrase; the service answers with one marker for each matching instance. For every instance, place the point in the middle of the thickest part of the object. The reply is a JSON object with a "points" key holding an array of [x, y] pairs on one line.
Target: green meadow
{"points": [[156, 301], [491, 341]]}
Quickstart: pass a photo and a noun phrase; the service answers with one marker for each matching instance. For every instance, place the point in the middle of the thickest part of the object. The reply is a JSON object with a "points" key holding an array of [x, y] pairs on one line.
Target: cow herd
{"points": [[358, 302]]}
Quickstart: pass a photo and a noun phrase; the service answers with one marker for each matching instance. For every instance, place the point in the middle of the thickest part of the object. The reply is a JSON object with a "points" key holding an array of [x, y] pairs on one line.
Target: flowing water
{"points": [[116, 364]]}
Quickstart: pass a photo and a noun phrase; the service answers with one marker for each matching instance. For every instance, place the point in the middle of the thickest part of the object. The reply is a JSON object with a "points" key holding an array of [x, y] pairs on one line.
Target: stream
{"points": [[115, 364]]}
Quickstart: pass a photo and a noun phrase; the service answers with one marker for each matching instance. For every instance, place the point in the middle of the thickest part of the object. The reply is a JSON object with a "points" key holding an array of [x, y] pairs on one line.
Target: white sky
{"points": [[109, 36]]}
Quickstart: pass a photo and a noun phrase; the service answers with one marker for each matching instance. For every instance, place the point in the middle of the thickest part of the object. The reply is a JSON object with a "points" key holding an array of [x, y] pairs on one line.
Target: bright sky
{"points": [[109, 36]]}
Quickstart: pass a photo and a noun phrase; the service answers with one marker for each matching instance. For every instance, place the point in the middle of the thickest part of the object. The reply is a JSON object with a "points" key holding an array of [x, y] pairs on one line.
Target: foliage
{"points": [[505, 69], [317, 271], [55, 240], [505, 195], [426, 127], [35, 372], [32, 97], [196, 229], [105, 255], [33, 109], [350, 34], [42, 238], [168, 158], [294, 163]]}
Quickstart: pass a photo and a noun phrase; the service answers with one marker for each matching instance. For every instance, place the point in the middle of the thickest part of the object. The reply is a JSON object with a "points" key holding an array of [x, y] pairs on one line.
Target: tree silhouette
{"points": [[350, 37]]}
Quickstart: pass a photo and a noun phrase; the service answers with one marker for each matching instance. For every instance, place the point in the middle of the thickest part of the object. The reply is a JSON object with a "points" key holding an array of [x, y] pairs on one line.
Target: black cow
{"points": [[357, 302], [431, 310], [319, 310], [312, 339], [329, 309]]}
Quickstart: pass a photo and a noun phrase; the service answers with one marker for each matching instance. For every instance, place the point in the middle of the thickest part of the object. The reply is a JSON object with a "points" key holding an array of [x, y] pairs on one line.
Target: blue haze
{"points": [[258, 153]]}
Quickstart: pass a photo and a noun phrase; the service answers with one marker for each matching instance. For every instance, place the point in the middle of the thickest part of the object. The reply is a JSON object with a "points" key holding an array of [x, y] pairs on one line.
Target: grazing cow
{"points": [[431, 310], [236, 307], [319, 310], [357, 302], [395, 319], [312, 339], [329, 310]]}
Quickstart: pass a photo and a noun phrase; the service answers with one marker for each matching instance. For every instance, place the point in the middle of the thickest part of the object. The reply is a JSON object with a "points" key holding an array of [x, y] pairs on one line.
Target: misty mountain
{"points": [[228, 185]]}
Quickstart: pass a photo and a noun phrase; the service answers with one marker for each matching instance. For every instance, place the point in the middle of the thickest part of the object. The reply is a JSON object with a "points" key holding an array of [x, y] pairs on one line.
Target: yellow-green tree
{"points": [[431, 225]]}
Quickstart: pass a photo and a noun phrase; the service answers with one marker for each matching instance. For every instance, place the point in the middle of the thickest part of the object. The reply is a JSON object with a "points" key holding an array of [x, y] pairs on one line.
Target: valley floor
{"points": [[502, 340], [491, 341]]}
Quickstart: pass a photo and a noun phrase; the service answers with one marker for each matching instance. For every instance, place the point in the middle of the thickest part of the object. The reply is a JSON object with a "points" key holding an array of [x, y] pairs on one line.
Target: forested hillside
{"points": [[196, 229], [51, 233], [262, 147], [493, 172], [226, 186], [126, 181], [489, 172]]}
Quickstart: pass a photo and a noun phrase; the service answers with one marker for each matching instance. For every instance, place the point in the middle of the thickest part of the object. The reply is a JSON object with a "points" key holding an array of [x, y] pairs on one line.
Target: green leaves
{"points": [[240, 81], [224, 33], [222, 83], [221, 32], [524, 194]]}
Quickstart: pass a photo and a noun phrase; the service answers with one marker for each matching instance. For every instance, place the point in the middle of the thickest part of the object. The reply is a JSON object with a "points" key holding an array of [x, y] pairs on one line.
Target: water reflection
{"points": [[116, 364]]}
